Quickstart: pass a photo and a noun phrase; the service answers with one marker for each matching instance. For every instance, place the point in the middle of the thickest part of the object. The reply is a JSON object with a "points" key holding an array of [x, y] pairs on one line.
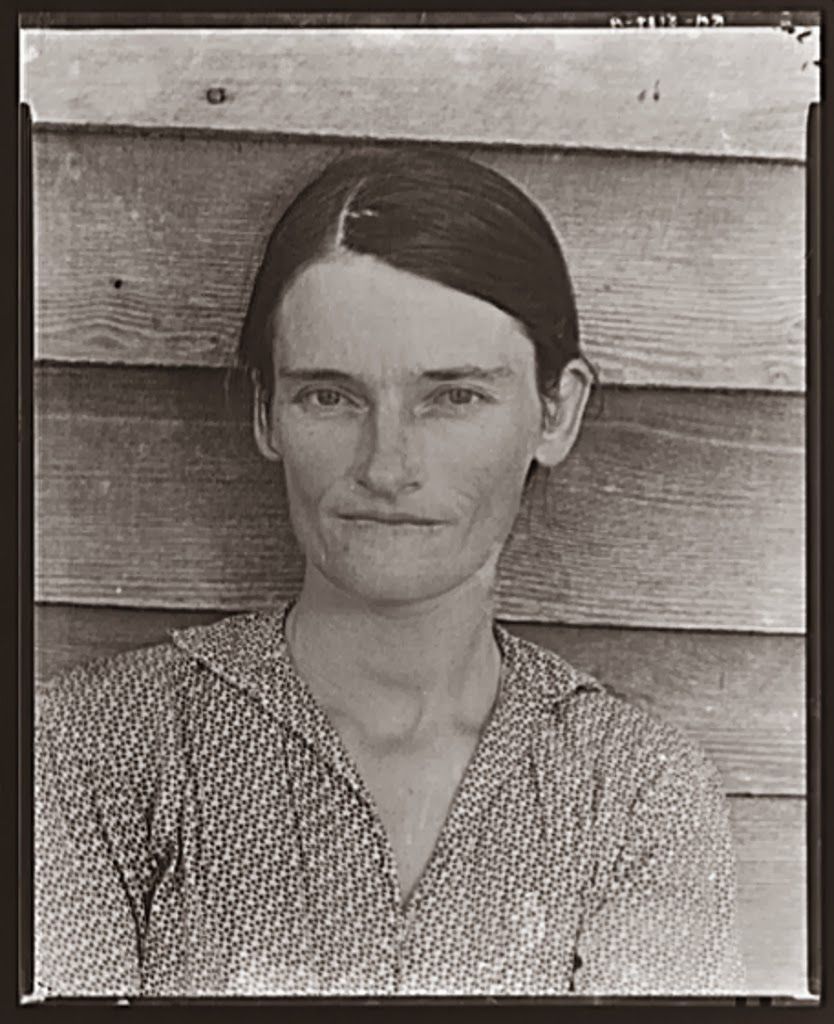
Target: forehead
{"points": [[358, 314]]}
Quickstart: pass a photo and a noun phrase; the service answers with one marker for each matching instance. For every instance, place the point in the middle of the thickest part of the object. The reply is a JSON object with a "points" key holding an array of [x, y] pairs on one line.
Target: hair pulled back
{"points": [[433, 213]]}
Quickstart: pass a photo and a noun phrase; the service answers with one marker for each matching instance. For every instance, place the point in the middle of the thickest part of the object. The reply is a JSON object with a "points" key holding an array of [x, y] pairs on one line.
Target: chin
{"points": [[393, 586]]}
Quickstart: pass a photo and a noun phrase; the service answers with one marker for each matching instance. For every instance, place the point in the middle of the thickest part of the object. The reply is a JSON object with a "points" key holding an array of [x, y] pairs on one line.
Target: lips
{"points": [[390, 518]]}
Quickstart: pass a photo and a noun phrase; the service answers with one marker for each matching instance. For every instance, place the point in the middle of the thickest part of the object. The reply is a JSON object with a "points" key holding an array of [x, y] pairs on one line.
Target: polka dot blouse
{"points": [[201, 830]]}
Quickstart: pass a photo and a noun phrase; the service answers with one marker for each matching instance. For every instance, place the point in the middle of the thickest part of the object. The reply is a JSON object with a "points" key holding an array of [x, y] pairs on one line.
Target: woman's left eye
{"points": [[459, 396], [326, 397]]}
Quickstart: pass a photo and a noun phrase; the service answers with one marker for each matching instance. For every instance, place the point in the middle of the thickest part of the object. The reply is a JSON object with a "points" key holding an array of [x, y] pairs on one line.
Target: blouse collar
{"points": [[249, 651]]}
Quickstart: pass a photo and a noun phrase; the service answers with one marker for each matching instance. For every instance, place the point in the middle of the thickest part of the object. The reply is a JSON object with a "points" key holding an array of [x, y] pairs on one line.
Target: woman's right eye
{"points": [[322, 398]]}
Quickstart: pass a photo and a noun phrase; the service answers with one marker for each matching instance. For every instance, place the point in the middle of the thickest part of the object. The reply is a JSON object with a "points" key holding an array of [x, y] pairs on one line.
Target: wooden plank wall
{"points": [[509, 86], [666, 556]]}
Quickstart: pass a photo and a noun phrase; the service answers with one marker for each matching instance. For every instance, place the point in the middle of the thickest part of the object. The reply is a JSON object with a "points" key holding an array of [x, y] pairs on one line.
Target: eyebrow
{"points": [[446, 374], [302, 373], [476, 372]]}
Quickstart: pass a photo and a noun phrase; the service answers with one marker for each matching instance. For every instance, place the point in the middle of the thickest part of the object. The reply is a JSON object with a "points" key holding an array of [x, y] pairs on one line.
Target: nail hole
{"points": [[117, 283], [217, 94]]}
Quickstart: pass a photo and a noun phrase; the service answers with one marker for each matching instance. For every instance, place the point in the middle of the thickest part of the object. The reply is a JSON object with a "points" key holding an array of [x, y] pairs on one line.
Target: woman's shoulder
{"points": [[124, 690], [108, 707], [613, 734], [138, 675], [137, 687]]}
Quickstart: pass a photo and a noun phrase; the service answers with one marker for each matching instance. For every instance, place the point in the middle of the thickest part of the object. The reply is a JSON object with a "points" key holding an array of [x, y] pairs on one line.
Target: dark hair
{"points": [[433, 213]]}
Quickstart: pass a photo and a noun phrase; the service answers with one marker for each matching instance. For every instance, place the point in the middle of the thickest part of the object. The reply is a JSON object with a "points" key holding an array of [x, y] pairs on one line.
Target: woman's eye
{"points": [[460, 396], [322, 398]]}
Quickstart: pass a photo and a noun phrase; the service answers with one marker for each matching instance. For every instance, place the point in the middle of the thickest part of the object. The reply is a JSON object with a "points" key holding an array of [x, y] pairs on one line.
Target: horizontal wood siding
{"points": [[731, 92], [740, 697], [146, 248], [768, 833], [681, 510], [769, 836]]}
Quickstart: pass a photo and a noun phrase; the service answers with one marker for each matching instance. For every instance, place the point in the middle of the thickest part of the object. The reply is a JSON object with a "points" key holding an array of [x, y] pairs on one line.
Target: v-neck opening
{"points": [[406, 903]]}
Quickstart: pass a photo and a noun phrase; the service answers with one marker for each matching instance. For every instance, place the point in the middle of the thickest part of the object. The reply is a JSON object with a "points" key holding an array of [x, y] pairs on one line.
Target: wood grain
{"points": [[680, 510], [741, 697], [687, 273], [733, 92], [771, 855]]}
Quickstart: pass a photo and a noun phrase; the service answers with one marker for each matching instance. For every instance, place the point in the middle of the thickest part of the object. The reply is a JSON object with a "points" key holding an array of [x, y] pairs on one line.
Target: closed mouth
{"points": [[389, 520]]}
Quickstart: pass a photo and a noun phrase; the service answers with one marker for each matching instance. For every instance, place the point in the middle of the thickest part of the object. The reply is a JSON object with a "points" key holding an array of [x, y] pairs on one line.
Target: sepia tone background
{"points": [[668, 556]]}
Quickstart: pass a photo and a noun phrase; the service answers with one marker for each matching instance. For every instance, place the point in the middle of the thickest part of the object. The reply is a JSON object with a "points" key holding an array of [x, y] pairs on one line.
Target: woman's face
{"points": [[406, 415]]}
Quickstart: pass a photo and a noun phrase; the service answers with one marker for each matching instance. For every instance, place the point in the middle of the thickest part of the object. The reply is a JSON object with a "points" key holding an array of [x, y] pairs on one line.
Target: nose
{"points": [[388, 464]]}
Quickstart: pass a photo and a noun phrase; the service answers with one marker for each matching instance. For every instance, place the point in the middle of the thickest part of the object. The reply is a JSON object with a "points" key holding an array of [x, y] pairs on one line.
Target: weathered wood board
{"points": [[679, 510], [687, 273], [728, 92], [771, 854]]}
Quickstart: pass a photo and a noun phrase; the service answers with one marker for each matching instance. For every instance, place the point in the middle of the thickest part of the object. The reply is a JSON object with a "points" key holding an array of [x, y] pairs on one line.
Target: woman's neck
{"points": [[398, 671]]}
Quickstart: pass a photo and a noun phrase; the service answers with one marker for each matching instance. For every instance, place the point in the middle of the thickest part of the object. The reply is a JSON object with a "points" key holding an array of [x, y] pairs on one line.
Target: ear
{"points": [[563, 411], [261, 423]]}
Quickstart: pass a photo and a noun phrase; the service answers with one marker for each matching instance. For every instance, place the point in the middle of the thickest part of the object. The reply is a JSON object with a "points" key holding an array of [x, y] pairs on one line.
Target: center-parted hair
{"points": [[429, 212]]}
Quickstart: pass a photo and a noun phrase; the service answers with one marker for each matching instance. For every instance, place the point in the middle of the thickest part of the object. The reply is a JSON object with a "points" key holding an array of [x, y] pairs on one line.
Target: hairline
{"points": [[334, 252]]}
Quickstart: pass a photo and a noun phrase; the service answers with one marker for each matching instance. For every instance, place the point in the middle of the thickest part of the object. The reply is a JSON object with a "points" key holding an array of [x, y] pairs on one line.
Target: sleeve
{"points": [[665, 923], [87, 927]]}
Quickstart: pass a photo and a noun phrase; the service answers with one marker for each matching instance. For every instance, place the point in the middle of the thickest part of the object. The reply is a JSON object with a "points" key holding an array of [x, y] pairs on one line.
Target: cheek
{"points": [[489, 467], [315, 456]]}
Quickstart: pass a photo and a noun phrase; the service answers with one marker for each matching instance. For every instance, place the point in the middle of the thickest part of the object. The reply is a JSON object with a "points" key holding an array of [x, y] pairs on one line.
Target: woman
{"points": [[375, 789]]}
